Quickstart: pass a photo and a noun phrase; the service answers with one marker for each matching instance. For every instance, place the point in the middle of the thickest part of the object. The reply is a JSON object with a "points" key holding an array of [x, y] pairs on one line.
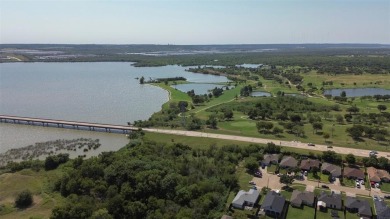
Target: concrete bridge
{"points": [[65, 124]]}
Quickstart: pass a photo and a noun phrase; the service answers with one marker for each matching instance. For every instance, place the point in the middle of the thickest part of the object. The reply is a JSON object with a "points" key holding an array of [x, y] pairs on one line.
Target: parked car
{"points": [[325, 186], [258, 174], [252, 183], [254, 187], [330, 146], [387, 196], [311, 144]]}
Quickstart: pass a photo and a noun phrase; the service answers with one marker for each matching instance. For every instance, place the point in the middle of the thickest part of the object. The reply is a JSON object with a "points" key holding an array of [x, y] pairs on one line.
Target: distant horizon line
{"points": [[212, 44]]}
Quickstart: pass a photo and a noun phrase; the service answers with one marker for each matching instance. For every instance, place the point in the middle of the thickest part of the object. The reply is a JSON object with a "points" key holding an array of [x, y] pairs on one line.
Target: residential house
{"points": [[244, 198], [270, 159], [288, 162], [331, 169], [361, 207], [378, 175], [299, 198], [332, 200], [273, 204], [382, 210], [309, 164], [353, 173]]}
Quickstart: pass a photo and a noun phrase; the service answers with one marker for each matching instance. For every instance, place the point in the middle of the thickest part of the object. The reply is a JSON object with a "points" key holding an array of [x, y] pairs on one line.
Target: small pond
{"points": [[260, 94], [357, 92], [294, 95], [198, 88]]}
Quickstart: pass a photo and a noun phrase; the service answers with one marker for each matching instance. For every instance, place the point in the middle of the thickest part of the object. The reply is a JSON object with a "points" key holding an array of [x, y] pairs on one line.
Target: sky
{"points": [[194, 21]]}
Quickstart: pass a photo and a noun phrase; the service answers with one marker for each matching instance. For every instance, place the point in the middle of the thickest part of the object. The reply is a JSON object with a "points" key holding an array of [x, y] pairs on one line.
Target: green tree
{"points": [[326, 136], [264, 127], [356, 131], [276, 131], [251, 164], [101, 214], [142, 80], [350, 158], [315, 171], [353, 110], [286, 179], [298, 130], [317, 126], [339, 119], [228, 114], [381, 107], [331, 157], [24, 199], [380, 137], [212, 121]]}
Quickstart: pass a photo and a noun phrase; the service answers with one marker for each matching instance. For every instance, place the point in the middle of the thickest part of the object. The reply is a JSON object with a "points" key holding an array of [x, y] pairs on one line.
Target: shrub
{"points": [[24, 199]]}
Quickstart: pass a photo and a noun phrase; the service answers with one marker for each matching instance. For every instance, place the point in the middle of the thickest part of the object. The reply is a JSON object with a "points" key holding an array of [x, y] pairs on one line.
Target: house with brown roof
{"points": [[309, 164], [378, 175], [288, 162], [353, 173], [299, 198], [331, 169]]}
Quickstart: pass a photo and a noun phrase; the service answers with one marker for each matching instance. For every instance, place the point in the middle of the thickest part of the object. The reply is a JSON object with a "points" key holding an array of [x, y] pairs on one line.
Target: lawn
{"points": [[323, 177], [349, 182], [272, 168], [385, 187], [282, 171], [326, 215], [317, 191], [175, 95], [287, 194], [363, 80], [243, 177], [39, 183], [351, 215], [306, 212]]}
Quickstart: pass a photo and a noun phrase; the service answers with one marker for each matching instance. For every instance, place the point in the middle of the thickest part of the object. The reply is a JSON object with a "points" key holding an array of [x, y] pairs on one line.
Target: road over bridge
{"points": [[127, 129]]}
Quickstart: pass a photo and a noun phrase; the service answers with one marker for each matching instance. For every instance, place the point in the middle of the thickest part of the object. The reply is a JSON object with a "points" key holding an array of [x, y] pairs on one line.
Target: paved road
{"points": [[272, 181], [339, 150]]}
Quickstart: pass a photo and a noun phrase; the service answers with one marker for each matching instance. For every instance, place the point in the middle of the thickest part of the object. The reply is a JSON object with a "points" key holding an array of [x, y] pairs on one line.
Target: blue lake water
{"points": [[260, 94], [357, 92], [105, 92]]}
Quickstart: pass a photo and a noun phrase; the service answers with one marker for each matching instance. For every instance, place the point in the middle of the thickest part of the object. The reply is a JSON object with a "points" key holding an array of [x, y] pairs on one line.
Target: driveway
{"points": [[267, 180]]}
